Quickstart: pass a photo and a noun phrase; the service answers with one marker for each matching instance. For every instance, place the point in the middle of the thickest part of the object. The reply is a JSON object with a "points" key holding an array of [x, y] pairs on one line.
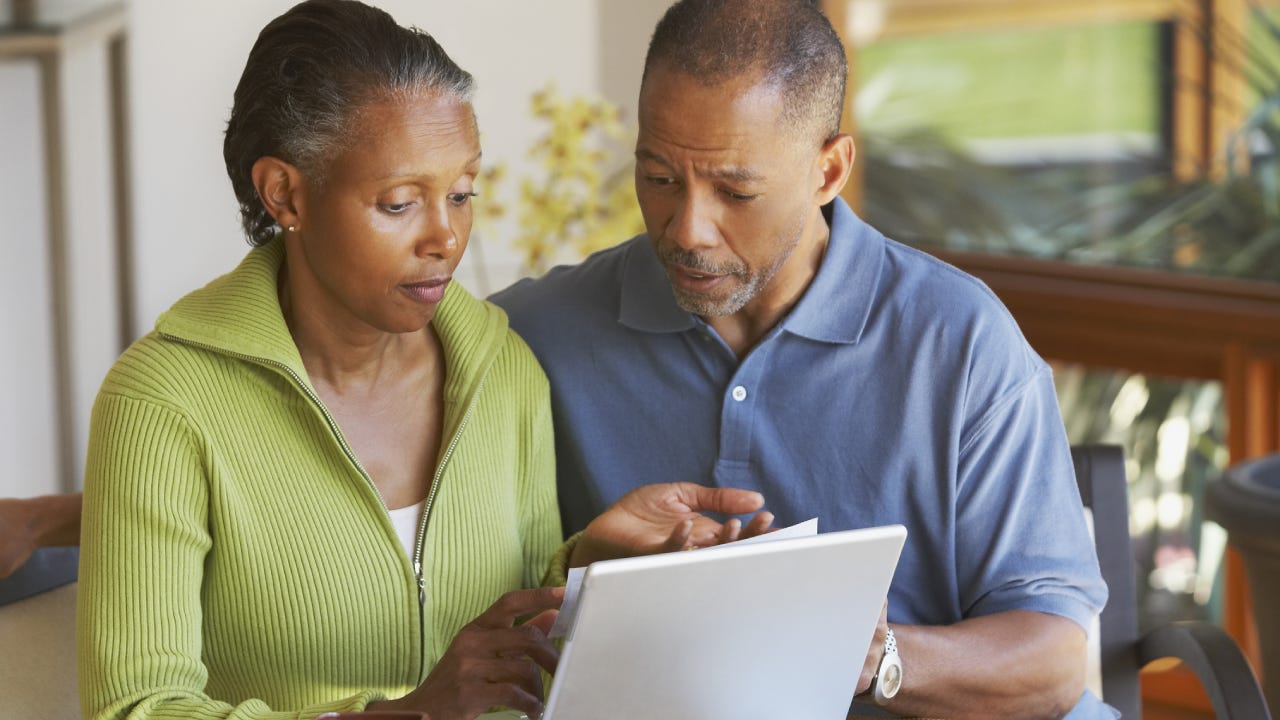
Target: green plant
{"points": [[573, 207]]}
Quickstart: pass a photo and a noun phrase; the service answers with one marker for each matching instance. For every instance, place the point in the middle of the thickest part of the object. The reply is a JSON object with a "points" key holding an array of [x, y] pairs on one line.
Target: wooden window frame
{"points": [[1155, 322]]}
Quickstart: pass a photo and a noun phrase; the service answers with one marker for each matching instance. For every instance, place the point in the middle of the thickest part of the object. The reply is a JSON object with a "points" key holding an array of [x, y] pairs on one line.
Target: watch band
{"points": [[888, 679]]}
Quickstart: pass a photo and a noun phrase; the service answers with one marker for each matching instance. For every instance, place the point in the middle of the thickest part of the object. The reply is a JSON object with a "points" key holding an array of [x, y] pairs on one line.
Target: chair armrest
{"points": [[46, 569], [1217, 662]]}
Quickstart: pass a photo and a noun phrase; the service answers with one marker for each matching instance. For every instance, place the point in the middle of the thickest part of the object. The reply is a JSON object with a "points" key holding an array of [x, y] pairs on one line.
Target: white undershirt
{"points": [[405, 521]]}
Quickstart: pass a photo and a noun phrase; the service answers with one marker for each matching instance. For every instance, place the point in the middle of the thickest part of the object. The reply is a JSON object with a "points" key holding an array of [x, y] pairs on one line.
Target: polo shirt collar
{"points": [[838, 302], [833, 309]]}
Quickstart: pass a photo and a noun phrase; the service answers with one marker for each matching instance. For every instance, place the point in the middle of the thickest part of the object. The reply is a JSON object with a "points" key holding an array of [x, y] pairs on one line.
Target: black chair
{"points": [[1206, 649]]}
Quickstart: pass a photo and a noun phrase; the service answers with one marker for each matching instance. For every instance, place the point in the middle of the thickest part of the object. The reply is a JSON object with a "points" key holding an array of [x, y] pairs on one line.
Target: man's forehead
{"points": [[709, 165]]}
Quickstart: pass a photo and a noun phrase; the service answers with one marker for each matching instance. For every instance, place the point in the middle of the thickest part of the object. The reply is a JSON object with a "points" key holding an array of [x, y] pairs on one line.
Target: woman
{"points": [[321, 482]]}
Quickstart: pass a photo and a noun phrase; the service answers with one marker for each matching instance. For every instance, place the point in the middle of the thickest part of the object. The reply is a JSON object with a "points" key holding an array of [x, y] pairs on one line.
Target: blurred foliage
{"points": [[925, 186], [573, 208]]}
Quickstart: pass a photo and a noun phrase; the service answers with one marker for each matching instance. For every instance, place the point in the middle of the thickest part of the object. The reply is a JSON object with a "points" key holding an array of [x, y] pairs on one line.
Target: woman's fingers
{"points": [[759, 524], [679, 539], [503, 613], [730, 530], [726, 501]]}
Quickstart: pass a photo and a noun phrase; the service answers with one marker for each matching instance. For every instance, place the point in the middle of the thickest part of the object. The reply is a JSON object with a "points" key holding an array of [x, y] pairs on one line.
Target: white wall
{"points": [[184, 60], [29, 447], [28, 451]]}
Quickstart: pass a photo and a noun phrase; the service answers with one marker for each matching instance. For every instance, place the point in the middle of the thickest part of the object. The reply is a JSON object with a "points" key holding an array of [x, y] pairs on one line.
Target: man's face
{"points": [[726, 189]]}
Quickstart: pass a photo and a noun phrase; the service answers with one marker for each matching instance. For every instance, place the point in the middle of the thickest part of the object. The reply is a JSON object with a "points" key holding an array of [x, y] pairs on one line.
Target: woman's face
{"points": [[380, 237]]}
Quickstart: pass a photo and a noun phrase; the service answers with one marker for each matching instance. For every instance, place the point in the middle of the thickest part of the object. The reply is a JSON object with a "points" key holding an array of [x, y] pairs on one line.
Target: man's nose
{"points": [[694, 223]]}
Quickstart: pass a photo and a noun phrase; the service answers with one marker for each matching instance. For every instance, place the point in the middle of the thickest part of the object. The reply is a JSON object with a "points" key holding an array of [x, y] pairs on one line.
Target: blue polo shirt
{"points": [[897, 390]]}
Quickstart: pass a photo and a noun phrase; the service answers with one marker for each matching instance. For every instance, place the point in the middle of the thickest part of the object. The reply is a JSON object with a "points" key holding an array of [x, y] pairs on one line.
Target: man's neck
{"points": [[743, 330]]}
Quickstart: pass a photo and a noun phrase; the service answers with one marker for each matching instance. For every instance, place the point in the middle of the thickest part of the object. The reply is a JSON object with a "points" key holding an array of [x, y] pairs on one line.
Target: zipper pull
{"points": [[422, 583]]}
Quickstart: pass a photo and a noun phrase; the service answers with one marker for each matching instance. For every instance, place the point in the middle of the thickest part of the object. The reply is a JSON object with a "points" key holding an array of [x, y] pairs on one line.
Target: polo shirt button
{"points": [[739, 393]]}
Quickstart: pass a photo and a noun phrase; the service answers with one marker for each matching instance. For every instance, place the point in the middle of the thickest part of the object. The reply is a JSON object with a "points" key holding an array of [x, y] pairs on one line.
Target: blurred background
{"points": [[1108, 167]]}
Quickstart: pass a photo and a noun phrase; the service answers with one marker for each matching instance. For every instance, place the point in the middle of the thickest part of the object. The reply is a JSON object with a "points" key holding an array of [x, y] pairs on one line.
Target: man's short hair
{"points": [[789, 44]]}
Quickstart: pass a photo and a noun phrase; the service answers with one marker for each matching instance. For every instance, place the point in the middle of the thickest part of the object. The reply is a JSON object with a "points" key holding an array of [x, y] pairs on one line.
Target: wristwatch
{"points": [[888, 680]]}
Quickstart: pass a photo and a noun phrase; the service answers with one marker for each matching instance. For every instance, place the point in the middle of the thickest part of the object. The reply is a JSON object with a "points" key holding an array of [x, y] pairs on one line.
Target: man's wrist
{"points": [[888, 678]]}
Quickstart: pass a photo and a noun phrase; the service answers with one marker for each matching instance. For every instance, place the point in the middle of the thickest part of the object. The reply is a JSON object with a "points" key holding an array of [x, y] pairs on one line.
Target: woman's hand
{"points": [[668, 516], [492, 661]]}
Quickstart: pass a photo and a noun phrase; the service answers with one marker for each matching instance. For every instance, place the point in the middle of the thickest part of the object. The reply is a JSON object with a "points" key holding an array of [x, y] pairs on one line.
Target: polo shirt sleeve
{"points": [[1022, 542]]}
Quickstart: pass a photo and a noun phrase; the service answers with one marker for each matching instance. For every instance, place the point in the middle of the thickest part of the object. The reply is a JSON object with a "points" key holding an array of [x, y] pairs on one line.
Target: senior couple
{"points": [[333, 480]]}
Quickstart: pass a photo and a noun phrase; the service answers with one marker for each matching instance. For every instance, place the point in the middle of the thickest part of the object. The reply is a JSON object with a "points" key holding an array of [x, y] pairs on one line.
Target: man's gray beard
{"points": [[704, 306]]}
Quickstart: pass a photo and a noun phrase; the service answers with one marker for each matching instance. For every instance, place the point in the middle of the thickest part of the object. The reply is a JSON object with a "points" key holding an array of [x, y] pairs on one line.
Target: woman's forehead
{"points": [[427, 135]]}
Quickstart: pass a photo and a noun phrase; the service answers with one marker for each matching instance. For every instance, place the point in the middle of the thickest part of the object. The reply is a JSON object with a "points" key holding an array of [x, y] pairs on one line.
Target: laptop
{"points": [[763, 630]]}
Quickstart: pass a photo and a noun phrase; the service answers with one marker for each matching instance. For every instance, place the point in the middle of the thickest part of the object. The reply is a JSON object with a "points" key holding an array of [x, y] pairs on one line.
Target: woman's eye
{"points": [[394, 208], [460, 199], [659, 180]]}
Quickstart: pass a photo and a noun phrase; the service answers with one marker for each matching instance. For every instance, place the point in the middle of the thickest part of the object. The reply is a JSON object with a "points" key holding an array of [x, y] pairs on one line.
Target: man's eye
{"points": [[659, 181], [460, 199], [739, 197]]}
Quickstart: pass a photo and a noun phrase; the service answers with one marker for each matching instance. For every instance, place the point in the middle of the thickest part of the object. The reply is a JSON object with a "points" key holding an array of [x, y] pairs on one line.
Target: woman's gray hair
{"points": [[308, 76]]}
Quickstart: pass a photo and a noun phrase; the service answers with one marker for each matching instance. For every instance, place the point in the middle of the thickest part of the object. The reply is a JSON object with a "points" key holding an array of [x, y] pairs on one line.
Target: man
{"points": [[760, 335]]}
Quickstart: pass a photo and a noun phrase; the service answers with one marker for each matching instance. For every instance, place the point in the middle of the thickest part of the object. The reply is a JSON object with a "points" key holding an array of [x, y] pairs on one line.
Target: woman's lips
{"points": [[427, 291]]}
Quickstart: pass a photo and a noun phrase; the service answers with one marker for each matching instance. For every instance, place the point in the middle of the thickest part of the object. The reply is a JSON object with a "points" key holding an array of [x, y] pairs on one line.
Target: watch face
{"points": [[891, 681]]}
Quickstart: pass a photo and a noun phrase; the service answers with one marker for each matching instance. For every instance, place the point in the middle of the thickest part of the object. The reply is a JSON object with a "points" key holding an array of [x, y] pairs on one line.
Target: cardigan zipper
{"points": [[342, 441], [426, 515]]}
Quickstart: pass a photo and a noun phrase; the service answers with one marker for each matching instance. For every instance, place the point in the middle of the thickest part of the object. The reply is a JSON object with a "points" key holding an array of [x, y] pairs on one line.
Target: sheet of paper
{"points": [[573, 584]]}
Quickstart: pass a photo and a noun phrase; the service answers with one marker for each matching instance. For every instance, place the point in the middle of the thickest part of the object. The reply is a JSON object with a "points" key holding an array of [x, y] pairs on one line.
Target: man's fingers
{"points": [[728, 501]]}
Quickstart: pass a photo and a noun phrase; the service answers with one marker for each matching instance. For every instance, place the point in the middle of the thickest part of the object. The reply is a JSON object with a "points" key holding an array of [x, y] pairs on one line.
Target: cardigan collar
{"points": [[239, 314]]}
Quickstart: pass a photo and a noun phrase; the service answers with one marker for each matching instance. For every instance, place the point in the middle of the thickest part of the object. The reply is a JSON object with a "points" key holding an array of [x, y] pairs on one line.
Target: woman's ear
{"points": [[279, 186], [834, 164]]}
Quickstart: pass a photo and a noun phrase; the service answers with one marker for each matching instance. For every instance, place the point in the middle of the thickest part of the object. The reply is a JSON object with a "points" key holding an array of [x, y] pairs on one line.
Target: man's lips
{"points": [[693, 280], [427, 291]]}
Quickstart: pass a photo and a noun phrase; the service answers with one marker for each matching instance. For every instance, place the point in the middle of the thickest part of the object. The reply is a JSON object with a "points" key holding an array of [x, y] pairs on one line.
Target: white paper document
{"points": [[573, 584]]}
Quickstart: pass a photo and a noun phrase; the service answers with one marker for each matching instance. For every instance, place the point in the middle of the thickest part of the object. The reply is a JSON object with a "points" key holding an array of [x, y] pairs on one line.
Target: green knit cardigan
{"points": [[238, 562]]}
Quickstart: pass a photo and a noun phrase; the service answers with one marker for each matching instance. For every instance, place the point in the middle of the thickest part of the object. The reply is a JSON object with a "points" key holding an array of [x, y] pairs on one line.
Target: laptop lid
{"points": [[763, 630]]}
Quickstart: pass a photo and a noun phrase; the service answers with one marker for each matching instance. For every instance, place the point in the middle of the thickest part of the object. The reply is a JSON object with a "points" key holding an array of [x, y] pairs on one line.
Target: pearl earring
{"points": [[293, 228]]}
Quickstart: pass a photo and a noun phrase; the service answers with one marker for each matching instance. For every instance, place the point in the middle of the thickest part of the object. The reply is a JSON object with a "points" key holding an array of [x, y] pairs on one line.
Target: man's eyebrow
{"points": [[733, 173], [643, 154]]}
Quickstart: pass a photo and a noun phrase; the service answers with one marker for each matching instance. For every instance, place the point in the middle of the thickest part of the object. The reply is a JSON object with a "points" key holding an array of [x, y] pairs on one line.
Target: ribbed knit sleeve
{"points": [[142, 565], [540, 523]]}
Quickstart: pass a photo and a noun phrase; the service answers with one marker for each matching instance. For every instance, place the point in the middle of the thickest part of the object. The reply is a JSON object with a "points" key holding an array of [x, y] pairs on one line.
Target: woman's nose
{"points": [[437, 236]]}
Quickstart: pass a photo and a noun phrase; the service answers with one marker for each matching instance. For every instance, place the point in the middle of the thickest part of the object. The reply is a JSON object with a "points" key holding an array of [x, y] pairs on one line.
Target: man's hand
{"points": [[666, 517], [492, 661]]}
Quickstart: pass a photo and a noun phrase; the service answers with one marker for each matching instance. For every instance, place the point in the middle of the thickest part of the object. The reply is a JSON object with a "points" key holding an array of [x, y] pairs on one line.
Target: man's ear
{"points": [[832, 168], [279, 186]]}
